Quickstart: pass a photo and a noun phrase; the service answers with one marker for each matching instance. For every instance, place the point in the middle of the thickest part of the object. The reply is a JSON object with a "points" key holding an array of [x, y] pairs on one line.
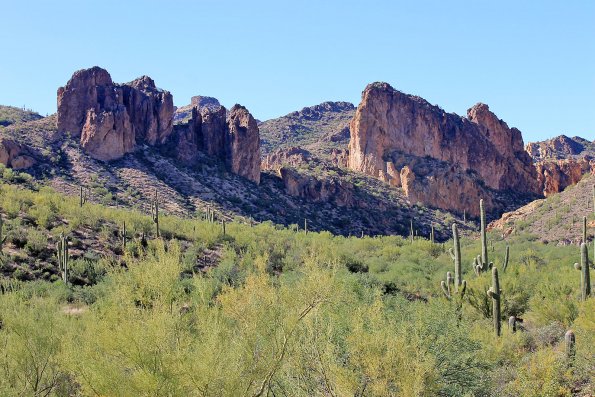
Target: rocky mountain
{"points": [[439, 159], [372, 170], [557, 219], [115, 119], [120, 142], [562, 161], [184, 113], [320, 129], [13, 115]]}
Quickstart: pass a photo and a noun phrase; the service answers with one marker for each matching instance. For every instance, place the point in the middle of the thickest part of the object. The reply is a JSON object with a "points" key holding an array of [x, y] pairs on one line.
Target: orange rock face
{"points": [[557, 175], [243, 144], [235, 140], [111, 119], [481, 149]]}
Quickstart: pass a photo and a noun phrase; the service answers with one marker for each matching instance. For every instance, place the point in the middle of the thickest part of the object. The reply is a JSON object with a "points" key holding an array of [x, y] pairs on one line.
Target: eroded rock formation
{"points": [[243, 144], [234, 139], [112, 118], [562, 161], [317, 189], [557, 175], [480, 149], [15, 155]]}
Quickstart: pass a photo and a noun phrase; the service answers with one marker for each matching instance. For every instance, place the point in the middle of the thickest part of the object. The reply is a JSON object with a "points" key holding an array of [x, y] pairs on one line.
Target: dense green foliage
{"points": [[283, 313]]}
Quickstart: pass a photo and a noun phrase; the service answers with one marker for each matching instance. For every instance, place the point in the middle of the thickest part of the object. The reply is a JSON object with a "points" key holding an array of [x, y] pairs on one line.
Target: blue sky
{"points": [[532, 62]]}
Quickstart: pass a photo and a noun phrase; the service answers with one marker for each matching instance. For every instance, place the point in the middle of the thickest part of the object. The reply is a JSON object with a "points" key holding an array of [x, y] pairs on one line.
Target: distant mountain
{"points": [[318, 129], [562, 161], [13, 115], [561, 147]]}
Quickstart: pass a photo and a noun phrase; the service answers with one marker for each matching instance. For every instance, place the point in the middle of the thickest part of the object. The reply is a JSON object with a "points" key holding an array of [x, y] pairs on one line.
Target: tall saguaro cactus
{"points": [[585, 229], [585, 272], [484, 240], [506, 258], [495, 293], [124, 236], [63, 258], [82, 197], [460, 285], [2, 236], [155, 213]]}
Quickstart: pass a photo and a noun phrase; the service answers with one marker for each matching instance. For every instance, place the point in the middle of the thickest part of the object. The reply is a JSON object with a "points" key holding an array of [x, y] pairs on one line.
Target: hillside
{"points": [[186, 190], [212, 311], [316, 128], [556, 219], [13, 115], [561, 148]]}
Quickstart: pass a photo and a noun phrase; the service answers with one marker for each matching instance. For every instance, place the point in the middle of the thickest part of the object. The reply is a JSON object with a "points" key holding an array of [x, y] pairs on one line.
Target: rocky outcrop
{"points": [[184, 113], [234, 140], [293, 156], [557, 175], [15, 155], [243, 144], [87, 89], [315, 189], [558, 148], [111, 118], [150, 110], [213, 133], [562, 161], [480, 148], [107, 135], [445, 188]]}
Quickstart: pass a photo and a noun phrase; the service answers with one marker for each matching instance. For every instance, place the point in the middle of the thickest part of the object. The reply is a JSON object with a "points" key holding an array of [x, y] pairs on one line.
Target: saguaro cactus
{"points": [[124, 235], [2, 236], [63, 258], [82, 196], [495, 293], [570, 344], [305, 226], [585, 229], [460, 285], [432, 234], [155, 213], [506, 258], [484, 240], [411, 234], [585, 273], [223, 226]]}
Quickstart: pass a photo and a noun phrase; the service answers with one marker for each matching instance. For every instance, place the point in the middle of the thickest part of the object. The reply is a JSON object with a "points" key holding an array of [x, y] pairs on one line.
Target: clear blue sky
{"points": [[533, 62]]}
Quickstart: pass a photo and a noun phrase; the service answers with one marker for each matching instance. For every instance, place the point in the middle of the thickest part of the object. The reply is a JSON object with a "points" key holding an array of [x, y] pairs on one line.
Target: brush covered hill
{"points": [[556, 219], [188, 190], [318, 129], [261, 309], [13, 115]]}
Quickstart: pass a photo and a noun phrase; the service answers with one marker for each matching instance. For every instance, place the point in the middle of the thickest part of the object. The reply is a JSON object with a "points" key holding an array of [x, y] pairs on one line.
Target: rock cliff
{"points": [[483, 153], [233, 139], [111, 119], [15, 155], [562, 161]]}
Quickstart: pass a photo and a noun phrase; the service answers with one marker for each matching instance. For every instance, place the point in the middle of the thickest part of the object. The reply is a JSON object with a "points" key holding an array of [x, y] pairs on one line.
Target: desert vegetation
{"points": [[105, 301]]}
